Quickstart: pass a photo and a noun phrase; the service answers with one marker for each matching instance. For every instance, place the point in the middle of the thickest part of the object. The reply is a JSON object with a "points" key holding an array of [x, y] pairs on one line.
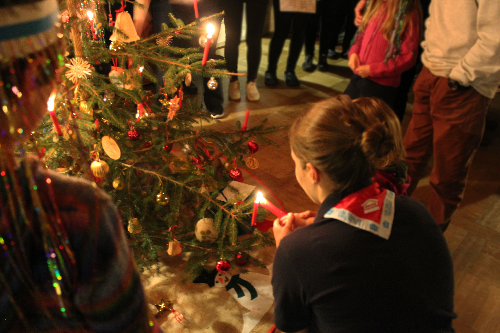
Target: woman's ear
{"points": [[313, 173]]}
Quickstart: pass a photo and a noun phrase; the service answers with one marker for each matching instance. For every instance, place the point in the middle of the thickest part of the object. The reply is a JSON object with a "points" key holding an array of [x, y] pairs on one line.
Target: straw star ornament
{"points": [[78, 69]]}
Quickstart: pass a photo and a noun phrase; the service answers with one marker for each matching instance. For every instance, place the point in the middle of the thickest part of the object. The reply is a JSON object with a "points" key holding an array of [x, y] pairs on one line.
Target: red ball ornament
{"points": [[196, 160], [235, 173], [168, 147], [223, 266], [253, 146], [241, 259], [147, 145], [133, 134]]}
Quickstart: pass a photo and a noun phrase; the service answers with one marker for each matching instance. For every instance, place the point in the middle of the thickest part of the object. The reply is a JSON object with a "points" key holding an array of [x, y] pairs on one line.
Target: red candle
{"points": [[180, 97], [268, 205], [210, 33], [52, 113], [196, 9], [254, 213], [245, 123]]}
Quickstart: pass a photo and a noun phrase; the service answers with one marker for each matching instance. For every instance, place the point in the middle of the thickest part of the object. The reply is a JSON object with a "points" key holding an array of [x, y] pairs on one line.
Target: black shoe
{"points": [[270, 79], [308, 65], [291, 79], [322, 63]]}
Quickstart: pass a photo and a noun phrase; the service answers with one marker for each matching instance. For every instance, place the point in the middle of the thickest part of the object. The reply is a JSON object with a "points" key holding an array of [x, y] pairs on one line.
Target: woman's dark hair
{"points": [[337, 138]]}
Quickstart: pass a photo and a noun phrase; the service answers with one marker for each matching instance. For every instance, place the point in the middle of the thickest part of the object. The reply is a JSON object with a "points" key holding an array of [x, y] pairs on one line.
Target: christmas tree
{"points": [[148, 147]]}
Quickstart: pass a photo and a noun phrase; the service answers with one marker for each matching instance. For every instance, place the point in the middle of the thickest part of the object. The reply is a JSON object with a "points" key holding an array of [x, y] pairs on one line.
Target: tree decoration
{"points": [[115, 76], [188, 79], [168, 147], [111, 148], [174, 107], [251, 162], [99, 168], [205, 231], [167, 307], [164, 41], [118, 184], [174, 246], [235, 174], [134, 227], [253, 146], [241, 258], [212, 84], [162, 198], [124, 29], [133, 134], [187, 149], [223, 266], [78, 69]]}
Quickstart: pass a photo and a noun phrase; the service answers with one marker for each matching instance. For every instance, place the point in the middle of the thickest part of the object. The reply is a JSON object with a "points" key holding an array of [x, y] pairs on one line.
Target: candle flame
{"points": [[210, 30], [50, 102], [90, 15], [260, 197]]}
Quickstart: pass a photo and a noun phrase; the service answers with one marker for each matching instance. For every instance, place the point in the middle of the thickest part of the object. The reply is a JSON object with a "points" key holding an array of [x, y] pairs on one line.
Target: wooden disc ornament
{"points": [[205, 231], [111, 147], [188, 79], [251, 162]]}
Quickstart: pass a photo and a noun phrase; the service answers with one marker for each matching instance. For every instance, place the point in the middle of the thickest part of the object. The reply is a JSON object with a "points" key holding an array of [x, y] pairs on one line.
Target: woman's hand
{"points": [[363, 71], [282, 227], [303, 219], [353, 62]]}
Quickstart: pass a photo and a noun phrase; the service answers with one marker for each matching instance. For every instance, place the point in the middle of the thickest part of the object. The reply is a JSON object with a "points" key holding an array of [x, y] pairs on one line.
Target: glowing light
{"points": [[20, 131], [210, 30], [260, 197], [50, 102], [17, 92], [141, 69], [49, 180], [90, 15]]}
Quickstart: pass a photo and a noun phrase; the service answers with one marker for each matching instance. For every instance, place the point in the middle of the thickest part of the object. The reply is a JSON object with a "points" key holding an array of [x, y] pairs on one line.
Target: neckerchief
{"points": [[370, 209]]}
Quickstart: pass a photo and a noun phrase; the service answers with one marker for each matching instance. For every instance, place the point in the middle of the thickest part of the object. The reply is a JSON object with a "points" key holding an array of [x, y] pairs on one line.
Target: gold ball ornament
{"points": [[162, 199], [134, 227], [212, 84], [99, 168], [118, 184], [205, 231]]}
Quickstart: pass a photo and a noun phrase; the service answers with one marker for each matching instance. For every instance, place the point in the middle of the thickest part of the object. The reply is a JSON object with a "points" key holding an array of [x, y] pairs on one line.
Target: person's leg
{"points": [[298, 23], [233, 19], [352, 88], [337, 20], [282, 23], [350, 28], [310, 40], [418, 138], [369, 88], [326, 33], [459, 118], [256, 14]]}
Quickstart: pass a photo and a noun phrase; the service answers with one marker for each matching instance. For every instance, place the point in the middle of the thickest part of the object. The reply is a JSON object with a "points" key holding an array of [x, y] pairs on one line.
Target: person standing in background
{"points": [[256, 11], [282, 23], [460, 77]]}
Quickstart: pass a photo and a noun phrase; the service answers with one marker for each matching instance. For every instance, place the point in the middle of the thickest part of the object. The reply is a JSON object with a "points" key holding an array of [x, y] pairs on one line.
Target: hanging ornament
{"points": [[162, 199], [115, 76], [78, 69], [174, 107], [115, 46], [241, 258], [196, 160], [99, 168], [118, 184], [186, 149], [203, 40], [228, 166], [133, 134], [223, 266], [188, 79], [124, 30], [134, 227], [111, 148], [174, 246], [168, 147], [164, 41], [212, 84], [235, 174], [205, 230], [253, 146]]}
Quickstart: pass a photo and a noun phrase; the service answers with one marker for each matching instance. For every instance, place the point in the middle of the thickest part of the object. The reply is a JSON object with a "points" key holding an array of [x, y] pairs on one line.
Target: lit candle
{"points": [[210, 33], [245, 123], [196, 9], [52, 113], [260, 200], [91, 18], [254, 212]]}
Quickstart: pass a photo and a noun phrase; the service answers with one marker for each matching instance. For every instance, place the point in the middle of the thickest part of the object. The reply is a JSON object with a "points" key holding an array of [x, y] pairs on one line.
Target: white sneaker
{"points": [[252, 92], [234, 90]]}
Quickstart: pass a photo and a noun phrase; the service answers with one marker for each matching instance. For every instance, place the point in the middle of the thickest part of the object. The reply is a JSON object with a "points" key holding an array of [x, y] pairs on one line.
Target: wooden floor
{"points": [[474, 235]]}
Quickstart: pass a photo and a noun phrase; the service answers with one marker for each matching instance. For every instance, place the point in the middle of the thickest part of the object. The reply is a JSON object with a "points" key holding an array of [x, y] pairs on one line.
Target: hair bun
{"points": [[376, 142]]}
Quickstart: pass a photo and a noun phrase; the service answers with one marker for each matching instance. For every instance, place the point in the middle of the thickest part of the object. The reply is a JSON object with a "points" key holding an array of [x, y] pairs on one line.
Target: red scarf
{"points": [[370, 209]]}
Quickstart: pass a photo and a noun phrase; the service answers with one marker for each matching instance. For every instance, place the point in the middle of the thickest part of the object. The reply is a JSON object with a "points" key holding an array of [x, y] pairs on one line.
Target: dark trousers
{"points": [[360, 87], [255, 17], [450, 125], [282, 23], [344, 17], [326, 14]]}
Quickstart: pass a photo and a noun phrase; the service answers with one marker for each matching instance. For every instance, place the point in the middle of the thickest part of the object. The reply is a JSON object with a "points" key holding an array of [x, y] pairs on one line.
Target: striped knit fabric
{"points": [[102, 292]]}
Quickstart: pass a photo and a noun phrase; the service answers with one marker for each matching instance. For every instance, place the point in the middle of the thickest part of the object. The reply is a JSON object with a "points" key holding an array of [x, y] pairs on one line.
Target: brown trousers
{"points": [[449, 124]]}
